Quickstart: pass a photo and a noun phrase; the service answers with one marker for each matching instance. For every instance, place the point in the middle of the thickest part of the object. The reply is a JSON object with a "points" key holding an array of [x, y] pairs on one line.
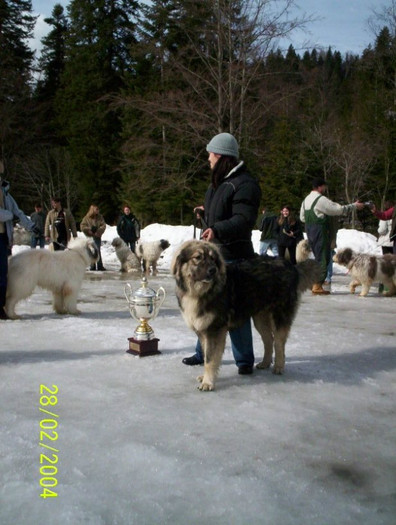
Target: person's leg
{"points": [[33, 242], [292, 254], [242, 346], [98, 243], [263, 247], [197, 358], [274, 248], [3, 273], [281, 251], [321, 250]]}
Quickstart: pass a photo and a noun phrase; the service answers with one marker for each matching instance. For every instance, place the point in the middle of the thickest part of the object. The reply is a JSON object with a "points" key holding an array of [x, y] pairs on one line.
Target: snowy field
{"points": [[138, 444]]}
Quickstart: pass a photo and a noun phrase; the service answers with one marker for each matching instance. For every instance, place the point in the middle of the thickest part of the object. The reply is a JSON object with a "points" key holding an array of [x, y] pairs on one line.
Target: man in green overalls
{"points": [[315, 212]]}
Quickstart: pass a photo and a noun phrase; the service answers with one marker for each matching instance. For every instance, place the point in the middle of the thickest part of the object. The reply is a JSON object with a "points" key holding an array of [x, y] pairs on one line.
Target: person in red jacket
{"points": [[387, 215]]}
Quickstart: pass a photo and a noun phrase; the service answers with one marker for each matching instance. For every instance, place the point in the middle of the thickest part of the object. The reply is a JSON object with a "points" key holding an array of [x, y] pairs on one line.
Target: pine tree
{"points": [[97, 51], [16, 62]]}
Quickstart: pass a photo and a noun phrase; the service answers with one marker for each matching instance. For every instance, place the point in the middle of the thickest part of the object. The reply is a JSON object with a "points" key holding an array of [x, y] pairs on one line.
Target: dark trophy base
{"points": [[143, 348]]}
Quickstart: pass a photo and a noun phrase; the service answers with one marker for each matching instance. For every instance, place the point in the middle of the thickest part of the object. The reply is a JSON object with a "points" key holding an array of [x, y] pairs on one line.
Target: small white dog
{"points": [[61, 272], [149, 252], [303, 250], [366, 269], [129, 261]]}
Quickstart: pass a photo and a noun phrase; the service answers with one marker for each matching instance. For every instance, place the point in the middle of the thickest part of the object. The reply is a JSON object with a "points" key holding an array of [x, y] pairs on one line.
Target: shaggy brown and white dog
{"points": [[303, 250], [129, 261], [215, 297], [60, 272], [366, 269], [149, 252]]}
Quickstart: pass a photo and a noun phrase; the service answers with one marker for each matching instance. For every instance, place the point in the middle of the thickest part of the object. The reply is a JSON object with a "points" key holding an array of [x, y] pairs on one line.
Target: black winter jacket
{"points": [[231, 211]]}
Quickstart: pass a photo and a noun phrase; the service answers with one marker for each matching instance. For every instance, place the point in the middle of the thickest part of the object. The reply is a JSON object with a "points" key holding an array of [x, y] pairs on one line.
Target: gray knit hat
{"points": [[224, 144]]}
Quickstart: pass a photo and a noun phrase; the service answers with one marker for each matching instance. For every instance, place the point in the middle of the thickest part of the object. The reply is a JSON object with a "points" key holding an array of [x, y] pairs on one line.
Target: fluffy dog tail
{"points": [[308, 274]]}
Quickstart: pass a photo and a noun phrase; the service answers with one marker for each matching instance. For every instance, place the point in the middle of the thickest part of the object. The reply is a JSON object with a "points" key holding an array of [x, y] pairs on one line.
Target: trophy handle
{"points": [[128, 293], [161, 296]]}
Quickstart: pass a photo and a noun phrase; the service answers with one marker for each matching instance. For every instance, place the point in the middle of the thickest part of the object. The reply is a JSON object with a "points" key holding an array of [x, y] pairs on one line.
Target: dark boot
{"points": [[3, 315]]}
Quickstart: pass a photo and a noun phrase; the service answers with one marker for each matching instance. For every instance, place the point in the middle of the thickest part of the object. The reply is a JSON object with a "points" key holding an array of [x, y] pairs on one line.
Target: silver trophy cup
{"points": [[144, 304]]}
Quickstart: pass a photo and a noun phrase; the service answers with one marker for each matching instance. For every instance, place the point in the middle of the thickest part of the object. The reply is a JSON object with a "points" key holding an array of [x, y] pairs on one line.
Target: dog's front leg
{"points": [[353, 285], [213, 346]]}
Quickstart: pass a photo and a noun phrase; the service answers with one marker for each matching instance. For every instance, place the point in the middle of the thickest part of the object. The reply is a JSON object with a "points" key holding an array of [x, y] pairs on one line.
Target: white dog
{"points": [[366, 269], [303, 250], [129, 261], [61, 272], [149, 253]]}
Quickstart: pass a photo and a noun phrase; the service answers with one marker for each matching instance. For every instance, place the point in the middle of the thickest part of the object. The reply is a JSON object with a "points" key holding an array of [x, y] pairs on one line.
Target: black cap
{"points": [[318, 181]]}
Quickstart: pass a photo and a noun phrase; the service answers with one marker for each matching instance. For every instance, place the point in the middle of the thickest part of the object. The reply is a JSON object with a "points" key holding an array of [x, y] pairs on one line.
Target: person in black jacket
{"points": [[290, 233], [229, 216], [128, 228], [269, 233]]}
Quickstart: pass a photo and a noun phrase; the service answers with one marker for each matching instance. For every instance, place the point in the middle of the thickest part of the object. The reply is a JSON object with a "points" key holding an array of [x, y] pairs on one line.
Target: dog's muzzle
{"points": [[211, 272]]}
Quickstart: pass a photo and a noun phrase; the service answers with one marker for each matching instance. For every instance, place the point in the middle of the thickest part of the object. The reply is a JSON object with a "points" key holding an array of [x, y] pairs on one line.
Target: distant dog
{"points": [[303, 250], [366, 269], [21, 236], [149, 252], [60, 272], [129, 261], [215, 297]]}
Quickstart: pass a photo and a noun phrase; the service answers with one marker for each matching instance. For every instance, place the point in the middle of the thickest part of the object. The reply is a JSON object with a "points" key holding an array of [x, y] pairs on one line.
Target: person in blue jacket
{"points": [[8, 211]]}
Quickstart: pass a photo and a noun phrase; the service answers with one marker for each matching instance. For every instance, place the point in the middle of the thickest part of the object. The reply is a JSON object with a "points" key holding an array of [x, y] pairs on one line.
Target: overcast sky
{"points": [[341, 25]]}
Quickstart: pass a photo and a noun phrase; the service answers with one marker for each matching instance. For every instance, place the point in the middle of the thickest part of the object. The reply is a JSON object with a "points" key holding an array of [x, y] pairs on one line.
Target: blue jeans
{"points": [[3, 267], [34, 241], [269, 244], [241, 345]]}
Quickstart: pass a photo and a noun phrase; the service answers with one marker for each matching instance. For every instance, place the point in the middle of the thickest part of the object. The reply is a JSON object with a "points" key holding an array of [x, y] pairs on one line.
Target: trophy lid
{"points": [[144, 290]]}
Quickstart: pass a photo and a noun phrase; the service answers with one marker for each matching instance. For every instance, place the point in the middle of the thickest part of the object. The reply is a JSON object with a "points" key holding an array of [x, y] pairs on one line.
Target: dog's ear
{"points": [[176, 263]]}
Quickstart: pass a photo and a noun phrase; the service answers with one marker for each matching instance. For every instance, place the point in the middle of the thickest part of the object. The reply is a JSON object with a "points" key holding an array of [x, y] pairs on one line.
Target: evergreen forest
{"points": [[124, 95]]}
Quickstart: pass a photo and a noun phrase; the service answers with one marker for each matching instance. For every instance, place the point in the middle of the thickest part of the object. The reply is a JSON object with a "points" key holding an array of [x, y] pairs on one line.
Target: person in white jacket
{"points": [[315, 212], [384, 229], [8, 210]]}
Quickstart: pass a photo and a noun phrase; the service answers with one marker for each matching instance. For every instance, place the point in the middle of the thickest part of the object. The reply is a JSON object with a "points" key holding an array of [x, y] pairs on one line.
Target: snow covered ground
{"points": [[138, 444]]}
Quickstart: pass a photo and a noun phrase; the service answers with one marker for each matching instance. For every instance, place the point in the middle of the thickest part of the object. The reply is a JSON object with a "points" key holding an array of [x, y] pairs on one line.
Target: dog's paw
{"points": [[73, 312], [278, 370], [263, 365], [206, 387], [13, 316]]}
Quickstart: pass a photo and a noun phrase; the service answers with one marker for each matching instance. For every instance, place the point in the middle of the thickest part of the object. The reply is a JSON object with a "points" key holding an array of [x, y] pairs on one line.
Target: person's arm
{"points": [[383, 215], [328, 207], [101, 226], [25, 221]]}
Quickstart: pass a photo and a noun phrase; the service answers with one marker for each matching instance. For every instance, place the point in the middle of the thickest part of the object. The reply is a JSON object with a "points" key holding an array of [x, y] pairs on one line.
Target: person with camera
{"points": [[290, 234], [8, 211], [59, 225], [316, 210], [93, 225], [389, 214], [128, 228]]}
